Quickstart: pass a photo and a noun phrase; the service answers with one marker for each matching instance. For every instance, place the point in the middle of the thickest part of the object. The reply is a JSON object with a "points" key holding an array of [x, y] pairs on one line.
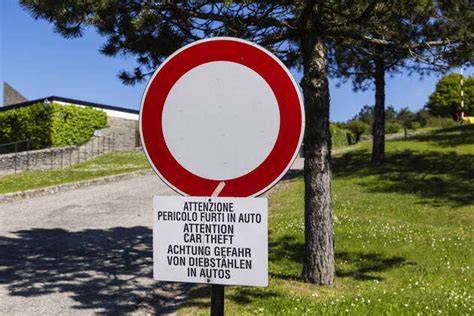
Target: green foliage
{"points": [[422, 117], [395, 121], [392, 128], [358, 128], [31, 122], [440, 122], [366, 115], [415, 125], [446, 100], [341, 125], [72, 125], [152, 30], [405, 118], [341, 137], [390, 113], [50, 125]]}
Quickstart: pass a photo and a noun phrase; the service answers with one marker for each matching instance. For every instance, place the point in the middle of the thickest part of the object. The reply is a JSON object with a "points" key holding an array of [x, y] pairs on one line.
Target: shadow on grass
{"points": [[109, 271], [286, 254], [449, 137], [199, 296], [363, 264], [442, 178], [245, 295], [445, 178]]}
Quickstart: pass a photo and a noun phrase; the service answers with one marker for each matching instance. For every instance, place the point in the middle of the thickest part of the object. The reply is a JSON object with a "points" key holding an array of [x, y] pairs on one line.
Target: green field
{"points": [[403, 236], [105, 165]]}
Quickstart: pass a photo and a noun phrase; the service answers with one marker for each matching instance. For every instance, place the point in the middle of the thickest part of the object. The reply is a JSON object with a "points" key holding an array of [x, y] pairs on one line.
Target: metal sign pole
{"points": [[217, 290], [217, 300]]}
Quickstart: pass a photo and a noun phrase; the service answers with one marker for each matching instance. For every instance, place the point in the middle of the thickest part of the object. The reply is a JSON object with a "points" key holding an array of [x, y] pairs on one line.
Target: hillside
{"points": [[403, 236]]}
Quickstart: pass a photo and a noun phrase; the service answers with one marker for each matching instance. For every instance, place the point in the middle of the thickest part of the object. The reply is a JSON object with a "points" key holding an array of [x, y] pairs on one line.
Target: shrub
{"points": [[50, 125], [341, 137], [422, 116], [358, 128], [392, 128], [340, 125], [72, 125], [442, 122], [31, 122], [415, 125]]}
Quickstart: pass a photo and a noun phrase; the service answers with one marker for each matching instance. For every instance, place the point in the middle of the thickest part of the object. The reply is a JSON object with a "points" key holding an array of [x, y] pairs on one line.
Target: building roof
{"points": [[67, 100], [11, 96]]}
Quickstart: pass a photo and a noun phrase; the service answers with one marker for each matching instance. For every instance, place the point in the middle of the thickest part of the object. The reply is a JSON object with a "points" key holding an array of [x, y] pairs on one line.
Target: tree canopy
{"points": [[151, 30], [423, 37], [418, 36], [446, 99]]}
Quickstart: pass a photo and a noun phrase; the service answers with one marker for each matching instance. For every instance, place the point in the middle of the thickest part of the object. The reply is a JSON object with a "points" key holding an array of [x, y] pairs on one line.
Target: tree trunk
{"points": [[319, 264], [378, 127]]}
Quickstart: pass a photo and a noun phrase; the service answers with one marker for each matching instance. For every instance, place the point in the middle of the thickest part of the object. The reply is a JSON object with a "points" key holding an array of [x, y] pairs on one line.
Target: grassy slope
{"points": [[403, 236], [105, 165]]}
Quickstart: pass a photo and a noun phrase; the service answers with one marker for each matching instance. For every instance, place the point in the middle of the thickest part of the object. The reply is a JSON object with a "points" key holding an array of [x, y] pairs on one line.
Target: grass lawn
{"points": [[105, 165], [403, 236]]}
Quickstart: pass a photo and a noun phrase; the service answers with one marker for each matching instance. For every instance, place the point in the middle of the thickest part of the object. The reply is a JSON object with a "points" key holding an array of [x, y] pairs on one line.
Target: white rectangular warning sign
{"points": [[210, 240]]}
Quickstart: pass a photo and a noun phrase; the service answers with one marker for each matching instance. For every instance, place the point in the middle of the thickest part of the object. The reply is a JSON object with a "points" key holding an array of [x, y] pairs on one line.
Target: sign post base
{"points": [[217, 300]]}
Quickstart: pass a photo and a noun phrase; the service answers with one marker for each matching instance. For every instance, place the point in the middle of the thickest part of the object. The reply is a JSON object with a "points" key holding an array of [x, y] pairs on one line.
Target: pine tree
{"points": [[301, 33], [413, 36]]}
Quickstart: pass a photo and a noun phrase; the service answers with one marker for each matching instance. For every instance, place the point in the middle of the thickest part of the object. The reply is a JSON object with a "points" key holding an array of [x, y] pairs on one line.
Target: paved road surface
{"points": [[82, 252]]}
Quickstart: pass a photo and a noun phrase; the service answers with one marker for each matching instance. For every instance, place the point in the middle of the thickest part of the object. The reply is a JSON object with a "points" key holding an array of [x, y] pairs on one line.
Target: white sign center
{"points": [[206, 121]]}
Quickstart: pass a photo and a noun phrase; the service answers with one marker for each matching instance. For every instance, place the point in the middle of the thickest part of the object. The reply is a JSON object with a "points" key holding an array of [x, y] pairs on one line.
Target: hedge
{"points": [[341, 137], [50, 125], [392, 128]]}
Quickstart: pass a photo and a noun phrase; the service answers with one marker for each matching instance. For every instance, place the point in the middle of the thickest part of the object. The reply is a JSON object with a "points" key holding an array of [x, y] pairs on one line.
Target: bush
{"points": [[358, 128], [72, 125], [423, 116], [341, 137], [415, 125], [340, 125], [50, 125], [441, 122], [31, 122], [392, 128]]}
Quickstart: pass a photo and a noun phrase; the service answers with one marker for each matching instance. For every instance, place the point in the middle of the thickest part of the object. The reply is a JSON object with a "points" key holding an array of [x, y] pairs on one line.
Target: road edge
{"points": [[19, 195]]}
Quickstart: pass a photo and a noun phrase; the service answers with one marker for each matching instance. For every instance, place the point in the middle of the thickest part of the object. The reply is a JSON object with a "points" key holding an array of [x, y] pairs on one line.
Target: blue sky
{"points": [[39, 63]]}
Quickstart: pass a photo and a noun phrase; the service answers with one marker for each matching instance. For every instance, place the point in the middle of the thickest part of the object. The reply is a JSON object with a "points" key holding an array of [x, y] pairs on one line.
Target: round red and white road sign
{"points": [[221, 113]]}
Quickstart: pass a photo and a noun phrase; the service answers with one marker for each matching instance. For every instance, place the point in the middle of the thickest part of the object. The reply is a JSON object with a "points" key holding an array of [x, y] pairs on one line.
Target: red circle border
{"points": [[270, 69]]}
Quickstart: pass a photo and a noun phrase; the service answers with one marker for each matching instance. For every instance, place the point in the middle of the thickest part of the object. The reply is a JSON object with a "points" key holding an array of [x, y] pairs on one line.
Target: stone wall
{"points": [[54, 158], [123, 131]]}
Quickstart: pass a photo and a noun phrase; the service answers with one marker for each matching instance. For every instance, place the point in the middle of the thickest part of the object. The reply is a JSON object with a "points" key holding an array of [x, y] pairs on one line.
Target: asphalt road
{"points": [[85, 251]]}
